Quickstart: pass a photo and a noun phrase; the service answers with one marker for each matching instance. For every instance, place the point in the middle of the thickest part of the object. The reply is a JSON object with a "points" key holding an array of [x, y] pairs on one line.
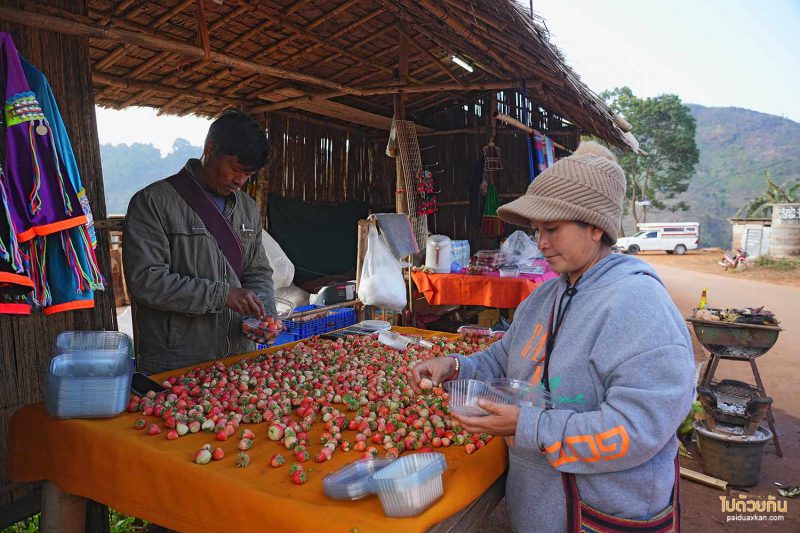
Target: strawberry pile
{"points": [[354, 384]]}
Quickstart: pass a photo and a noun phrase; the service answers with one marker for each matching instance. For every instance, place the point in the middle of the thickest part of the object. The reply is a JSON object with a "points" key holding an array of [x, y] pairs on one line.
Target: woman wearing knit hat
{"points": [[607, 343]]}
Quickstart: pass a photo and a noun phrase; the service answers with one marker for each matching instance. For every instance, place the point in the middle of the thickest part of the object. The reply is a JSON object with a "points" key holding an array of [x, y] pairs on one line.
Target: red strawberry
{"points": [[301, 456], [172, 434], [320, 457], [242, 460], [222, 435], [218, 454], [245, 444], [153, 429], [469, 448], [295, 467], [277, 460], [299, 477], [247, 434], [194, 426], [140, 423]]}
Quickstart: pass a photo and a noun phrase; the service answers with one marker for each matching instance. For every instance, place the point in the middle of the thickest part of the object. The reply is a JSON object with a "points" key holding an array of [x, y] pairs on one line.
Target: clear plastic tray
{"points": [[465, 393], [410, 484], [351, 482], [87, 387], [520, 392], [93, 343]]}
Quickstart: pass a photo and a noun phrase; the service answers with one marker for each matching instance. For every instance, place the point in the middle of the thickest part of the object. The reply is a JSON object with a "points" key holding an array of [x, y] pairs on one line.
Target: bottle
{"points": [[703, 301]]}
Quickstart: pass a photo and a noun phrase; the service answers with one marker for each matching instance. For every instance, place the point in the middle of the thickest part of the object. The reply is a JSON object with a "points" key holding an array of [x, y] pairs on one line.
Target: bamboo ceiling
{"points": [[333, 60]]}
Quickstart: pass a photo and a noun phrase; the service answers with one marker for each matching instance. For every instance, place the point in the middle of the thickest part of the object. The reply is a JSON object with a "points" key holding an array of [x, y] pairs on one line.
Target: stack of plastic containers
{"points": [[406, 486], [89, 375], [465, 393]]}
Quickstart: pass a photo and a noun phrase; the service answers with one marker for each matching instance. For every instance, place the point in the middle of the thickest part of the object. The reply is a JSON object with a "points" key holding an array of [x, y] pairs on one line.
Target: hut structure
{"points": [[326, 78]]}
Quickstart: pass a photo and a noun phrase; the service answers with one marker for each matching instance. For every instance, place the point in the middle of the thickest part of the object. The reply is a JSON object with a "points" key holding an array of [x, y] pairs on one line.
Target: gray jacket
{"points": [[622, 380], [179, 278]]}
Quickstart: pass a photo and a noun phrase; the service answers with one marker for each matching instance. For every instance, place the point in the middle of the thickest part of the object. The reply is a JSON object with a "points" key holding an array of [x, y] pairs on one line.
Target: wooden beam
{"points": [[122, 83], [697, 477], [62, 25], [373, 91]]}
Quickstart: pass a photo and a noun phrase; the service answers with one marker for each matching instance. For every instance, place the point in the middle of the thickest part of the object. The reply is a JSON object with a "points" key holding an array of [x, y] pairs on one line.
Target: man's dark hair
{"points": [[237, 133]]}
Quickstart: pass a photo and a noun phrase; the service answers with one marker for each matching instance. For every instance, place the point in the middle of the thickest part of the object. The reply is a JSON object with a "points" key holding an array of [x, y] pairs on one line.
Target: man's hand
{"points": [[436, 369], [501, 421], [245, 302]]}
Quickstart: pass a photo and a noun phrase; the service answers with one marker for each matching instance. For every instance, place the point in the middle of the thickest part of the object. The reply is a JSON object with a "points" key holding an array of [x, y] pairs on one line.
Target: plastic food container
{"points": [[509, 271], [519, 392], [80, 386], [351, 482], [465, 393], [410, 484], [90, 375]]}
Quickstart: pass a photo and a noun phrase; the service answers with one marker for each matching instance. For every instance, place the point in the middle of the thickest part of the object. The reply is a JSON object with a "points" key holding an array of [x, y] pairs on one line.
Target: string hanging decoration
{"points": [[426, 195]]}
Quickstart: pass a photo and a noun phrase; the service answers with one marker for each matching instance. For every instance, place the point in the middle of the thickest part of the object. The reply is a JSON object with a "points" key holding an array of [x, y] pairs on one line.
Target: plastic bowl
{"points": [[465, 393], [519, 392], [410, 484], [351, 482]]}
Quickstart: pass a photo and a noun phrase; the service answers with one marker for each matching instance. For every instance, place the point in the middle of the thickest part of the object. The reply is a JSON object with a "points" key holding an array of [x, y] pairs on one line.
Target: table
{"points": [[108, 461], [488, 290]]}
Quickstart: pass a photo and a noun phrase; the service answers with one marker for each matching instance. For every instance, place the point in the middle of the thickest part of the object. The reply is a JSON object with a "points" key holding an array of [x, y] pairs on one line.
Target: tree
{"points": [[759, 207], [665, 129]]}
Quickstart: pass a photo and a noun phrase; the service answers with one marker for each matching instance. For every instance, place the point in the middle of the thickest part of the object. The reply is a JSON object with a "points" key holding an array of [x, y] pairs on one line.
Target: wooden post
{"points": [[363, 228], [493, 115], [62, 512], [401, 198]]}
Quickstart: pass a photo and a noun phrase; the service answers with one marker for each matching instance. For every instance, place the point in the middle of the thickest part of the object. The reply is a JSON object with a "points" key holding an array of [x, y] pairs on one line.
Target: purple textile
{"points": [[41, 197]]}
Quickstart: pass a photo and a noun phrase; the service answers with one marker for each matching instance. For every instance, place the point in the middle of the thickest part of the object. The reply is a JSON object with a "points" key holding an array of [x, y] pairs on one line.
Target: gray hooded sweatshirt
{"points": [[622, 381]]}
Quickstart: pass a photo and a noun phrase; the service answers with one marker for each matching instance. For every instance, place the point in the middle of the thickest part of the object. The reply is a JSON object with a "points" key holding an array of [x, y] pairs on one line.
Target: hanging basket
{"points": [[492, 161], [491, 225]]}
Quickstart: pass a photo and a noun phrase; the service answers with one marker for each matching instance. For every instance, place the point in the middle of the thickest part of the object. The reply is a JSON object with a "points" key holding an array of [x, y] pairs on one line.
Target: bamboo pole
{"points": [[61, 25], [396, 90], [511, 121], [121, 83]]}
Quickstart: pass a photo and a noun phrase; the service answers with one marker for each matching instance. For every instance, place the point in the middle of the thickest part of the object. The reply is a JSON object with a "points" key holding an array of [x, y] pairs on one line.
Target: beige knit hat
{"points": [[588, 186]]}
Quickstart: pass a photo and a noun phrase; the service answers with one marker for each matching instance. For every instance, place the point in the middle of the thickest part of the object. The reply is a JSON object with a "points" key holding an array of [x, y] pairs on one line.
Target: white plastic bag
{"points": [[382, 282], [282, 267], [520, 249]]}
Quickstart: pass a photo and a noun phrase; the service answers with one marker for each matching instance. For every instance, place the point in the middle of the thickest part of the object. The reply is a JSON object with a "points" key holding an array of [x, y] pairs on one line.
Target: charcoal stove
{"points": [[733, 404], [730, 401]]}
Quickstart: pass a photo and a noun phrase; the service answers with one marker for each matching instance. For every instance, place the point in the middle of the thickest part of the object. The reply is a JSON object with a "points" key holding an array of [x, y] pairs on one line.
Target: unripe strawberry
{"points": [[194, 426], [202, 457], [277, 460], [295, 467], [242, 460], [245, 444], [182, 429]]}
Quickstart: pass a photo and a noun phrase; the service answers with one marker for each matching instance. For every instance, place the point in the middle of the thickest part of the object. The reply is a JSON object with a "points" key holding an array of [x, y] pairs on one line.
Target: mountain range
{"points": [[736, 147]]}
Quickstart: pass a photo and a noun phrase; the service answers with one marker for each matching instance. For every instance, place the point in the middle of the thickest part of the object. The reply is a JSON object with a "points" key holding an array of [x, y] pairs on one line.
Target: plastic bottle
{"points": [[703, 300]]}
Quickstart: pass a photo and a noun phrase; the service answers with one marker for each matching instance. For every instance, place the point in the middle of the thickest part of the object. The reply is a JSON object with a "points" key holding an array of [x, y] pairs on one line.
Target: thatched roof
{"points": [[330, 58]]}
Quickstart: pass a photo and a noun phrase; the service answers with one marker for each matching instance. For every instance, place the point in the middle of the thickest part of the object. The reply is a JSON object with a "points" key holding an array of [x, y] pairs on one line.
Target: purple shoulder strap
{"points": [[215, 221]]}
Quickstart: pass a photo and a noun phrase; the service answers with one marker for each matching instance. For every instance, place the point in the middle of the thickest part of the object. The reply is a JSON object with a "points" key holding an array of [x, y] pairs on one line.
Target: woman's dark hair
{"points": [[606, 240], [237, 133]]}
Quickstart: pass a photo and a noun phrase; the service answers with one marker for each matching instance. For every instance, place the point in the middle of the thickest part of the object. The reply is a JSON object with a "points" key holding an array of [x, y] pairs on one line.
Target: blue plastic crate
{"points": [[335, 319]]}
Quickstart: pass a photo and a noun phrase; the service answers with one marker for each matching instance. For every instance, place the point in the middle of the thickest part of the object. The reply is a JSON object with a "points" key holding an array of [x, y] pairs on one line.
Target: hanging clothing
{"points": [[14, 282], [41, 198], [66, 263]]}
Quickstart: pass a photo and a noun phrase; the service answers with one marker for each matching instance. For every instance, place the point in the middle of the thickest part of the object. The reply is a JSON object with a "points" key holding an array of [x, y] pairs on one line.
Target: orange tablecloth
{"points": [[464, 289], [150, 477]]}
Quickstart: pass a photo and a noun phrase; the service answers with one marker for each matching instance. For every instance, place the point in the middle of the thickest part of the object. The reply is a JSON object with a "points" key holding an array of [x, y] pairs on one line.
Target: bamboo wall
{"points": [[25, 342]]}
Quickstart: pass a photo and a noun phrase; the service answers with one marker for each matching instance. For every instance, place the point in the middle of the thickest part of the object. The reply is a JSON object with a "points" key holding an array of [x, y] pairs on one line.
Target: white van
{"points": [[670, 237]]}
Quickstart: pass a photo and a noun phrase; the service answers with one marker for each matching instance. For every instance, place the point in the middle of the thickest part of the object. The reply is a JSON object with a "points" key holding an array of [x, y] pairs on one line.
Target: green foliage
{"points": [[29, 525], [780, 264], [665, 130], [761, 205]]}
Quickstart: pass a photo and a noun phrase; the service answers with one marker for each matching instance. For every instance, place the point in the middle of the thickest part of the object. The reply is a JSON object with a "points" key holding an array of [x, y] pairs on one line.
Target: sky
{"points": [[717, 53]]}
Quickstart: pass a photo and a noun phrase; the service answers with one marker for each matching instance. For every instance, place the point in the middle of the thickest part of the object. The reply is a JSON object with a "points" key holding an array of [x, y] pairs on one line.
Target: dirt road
{"points": [[780, 370]]}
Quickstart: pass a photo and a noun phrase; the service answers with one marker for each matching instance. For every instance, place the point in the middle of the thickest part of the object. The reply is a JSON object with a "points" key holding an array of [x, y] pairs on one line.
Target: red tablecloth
{"points": [[489, 290]]}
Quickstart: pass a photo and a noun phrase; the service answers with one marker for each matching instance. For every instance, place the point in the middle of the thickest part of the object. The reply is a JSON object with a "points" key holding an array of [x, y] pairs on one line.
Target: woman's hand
{"points": [[501, 422], [436, 369]]}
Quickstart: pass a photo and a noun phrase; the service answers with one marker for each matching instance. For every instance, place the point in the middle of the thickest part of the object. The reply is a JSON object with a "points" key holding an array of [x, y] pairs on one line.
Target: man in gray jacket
{"points": [[192, 254]]}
